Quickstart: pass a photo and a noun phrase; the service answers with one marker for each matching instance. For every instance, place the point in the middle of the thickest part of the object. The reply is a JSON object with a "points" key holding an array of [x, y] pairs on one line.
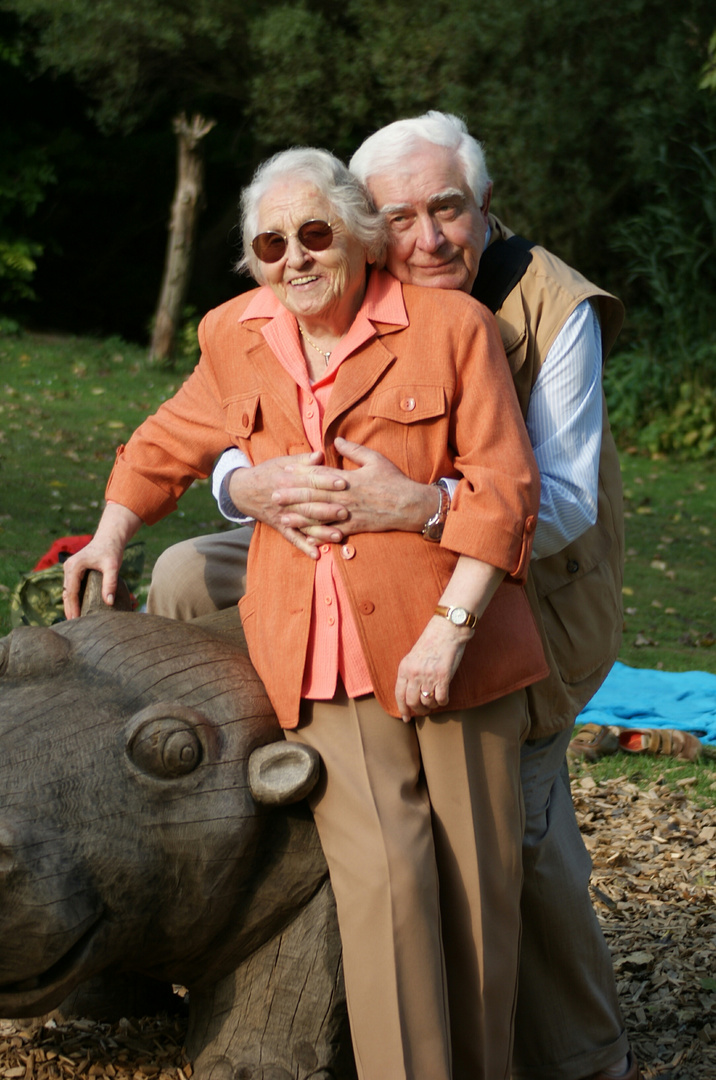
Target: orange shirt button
{"points": [[328, 599], [348, 551], [366, 607], [331, 620], [407, 404], [245, 420], [325, 548], [309, 414]]}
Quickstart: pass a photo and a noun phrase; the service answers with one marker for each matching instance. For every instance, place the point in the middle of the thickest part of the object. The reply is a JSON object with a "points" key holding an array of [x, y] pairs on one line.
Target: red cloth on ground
{"points": [[65, 545]]}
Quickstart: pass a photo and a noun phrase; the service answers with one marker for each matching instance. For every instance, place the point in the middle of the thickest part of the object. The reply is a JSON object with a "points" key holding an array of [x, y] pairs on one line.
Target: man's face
{"points": [[437, 230]]}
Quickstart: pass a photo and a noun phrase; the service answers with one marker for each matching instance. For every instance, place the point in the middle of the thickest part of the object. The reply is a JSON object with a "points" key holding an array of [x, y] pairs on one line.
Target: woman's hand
{"points": [[425, 674], [104, 552]]}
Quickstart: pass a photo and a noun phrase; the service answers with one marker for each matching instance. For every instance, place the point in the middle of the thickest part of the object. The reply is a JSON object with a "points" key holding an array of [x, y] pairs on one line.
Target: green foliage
{"points": [[8, 327], [591, 114], [688, 430], [668, 250], [26, 173], [708, 77], [288, 101], [571, 154], [17, 266], [141, 57], [662, 395], [656, 408]]}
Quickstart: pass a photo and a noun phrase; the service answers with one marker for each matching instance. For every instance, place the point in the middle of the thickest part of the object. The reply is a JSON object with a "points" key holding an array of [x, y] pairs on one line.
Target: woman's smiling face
{"points": [[316, 286]]}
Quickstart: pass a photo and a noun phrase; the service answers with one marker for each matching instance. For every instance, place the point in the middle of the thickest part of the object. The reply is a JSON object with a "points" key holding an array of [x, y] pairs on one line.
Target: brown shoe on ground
{"points": [[594, 741], [661, 742], [632, 1073]]}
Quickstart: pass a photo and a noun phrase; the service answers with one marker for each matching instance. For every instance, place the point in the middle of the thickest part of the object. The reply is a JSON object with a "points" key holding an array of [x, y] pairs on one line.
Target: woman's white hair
{"points": [[382, 151], [347, 197]]}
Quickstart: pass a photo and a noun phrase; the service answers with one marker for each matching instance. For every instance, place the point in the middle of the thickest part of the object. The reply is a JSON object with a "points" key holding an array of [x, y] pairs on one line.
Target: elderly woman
{"points": [[402, 660]]}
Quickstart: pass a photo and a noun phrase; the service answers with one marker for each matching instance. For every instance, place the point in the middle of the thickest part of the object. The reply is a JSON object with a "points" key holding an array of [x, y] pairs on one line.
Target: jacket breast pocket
{"points": [[242, 415], [407, 424], [408, 404]]}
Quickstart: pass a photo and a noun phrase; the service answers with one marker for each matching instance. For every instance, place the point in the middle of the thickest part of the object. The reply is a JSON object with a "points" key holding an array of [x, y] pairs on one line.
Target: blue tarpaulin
{"points": [[643, 698]]}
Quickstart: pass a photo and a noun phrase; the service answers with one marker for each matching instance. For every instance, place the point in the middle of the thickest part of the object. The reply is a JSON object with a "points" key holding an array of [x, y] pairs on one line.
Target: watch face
{"points": [[458, 616]]}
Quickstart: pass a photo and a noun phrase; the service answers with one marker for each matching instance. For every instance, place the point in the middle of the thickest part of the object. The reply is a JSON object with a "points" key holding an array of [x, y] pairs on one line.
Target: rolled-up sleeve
{"points": [[172, 448], [494, 511]]}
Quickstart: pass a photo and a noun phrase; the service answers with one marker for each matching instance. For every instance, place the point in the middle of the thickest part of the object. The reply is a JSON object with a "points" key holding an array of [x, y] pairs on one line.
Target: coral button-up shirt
{"points": [[334, 644]]}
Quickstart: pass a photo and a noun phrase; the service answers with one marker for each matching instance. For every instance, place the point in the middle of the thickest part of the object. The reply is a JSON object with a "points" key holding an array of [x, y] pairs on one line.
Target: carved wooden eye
{"points": [[165, 741]]}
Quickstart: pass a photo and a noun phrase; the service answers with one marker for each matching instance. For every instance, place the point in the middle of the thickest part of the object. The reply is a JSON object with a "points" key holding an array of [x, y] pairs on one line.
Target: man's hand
{"points": [[259, 492], [375, 497]]}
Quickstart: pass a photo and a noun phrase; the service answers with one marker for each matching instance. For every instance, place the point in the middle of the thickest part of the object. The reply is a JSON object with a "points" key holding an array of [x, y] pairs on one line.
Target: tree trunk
{"points": [[185, 211]]}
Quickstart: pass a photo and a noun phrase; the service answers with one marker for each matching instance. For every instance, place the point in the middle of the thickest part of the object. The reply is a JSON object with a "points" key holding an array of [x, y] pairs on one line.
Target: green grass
{"points": [[66, 403], [670, 574], [696, 780]]}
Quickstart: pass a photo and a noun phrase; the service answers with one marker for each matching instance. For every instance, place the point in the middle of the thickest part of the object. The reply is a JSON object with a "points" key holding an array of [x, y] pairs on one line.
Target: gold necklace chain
{"points": [[326, 355]]}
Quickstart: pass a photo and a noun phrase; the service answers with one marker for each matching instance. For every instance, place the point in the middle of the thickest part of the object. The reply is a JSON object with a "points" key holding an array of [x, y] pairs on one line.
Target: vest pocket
{"points": [[583, 621]]}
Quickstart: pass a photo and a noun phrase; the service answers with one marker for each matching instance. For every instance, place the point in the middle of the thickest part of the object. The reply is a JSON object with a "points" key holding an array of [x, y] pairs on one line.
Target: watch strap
{"points": [[470, 622]]}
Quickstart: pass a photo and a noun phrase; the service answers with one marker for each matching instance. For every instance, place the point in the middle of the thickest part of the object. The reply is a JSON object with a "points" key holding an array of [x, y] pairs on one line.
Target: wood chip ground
{"points": [[654, 887]]}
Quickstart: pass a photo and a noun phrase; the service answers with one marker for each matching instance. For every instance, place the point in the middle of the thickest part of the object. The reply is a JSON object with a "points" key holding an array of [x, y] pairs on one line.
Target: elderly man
{"points": [[429, 177]]}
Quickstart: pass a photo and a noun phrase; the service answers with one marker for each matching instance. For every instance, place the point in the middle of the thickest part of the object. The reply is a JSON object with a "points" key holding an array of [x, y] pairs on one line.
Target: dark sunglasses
{"points": [[315, 235]]}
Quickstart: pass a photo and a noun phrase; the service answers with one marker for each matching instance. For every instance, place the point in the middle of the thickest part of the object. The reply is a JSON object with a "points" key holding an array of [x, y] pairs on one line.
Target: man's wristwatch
{"points": [[433, 527], [458, 616]]}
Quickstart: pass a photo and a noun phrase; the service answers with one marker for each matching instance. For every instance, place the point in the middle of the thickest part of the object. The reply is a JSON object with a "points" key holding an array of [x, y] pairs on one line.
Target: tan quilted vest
{"points": [[576, 594]]}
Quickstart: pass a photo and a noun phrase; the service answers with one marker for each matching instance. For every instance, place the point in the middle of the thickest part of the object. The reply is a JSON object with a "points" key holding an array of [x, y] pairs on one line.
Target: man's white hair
{"points": [[386, 148]]}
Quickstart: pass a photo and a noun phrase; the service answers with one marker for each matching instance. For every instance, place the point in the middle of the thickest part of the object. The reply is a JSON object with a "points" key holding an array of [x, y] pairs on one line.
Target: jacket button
{"points": [[245, 420], [530, 524], [572, 566], [348, 551], [407, 404], [366, 607]]}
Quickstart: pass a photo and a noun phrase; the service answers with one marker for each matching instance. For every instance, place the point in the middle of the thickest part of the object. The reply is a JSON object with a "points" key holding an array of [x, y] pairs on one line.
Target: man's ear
{"points": [[487, 199]]}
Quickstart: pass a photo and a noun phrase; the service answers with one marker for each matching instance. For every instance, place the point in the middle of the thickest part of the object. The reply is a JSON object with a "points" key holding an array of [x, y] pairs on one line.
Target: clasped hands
{"points": [[310, 503]]}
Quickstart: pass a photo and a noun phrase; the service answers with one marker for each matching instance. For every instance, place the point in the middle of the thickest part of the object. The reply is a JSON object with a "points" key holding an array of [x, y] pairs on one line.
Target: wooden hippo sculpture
{"points": [[149, 823]]}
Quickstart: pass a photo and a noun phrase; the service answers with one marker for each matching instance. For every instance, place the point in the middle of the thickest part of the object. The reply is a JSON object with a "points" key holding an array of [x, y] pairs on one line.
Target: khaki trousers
{"points": [[421, 825], [568, 1020]]}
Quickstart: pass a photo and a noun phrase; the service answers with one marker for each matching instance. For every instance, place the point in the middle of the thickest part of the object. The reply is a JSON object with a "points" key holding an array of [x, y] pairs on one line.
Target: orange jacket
{"points": [[436, 398]]}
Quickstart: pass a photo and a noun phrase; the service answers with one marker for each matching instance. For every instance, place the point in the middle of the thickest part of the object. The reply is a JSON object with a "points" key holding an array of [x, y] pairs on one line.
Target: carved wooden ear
{"points": [[283, 773], [91, 595], [30, 652]]}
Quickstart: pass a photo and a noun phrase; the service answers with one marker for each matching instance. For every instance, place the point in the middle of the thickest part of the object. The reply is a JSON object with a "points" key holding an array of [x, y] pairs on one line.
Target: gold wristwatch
{"points": [[458, 616]]}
